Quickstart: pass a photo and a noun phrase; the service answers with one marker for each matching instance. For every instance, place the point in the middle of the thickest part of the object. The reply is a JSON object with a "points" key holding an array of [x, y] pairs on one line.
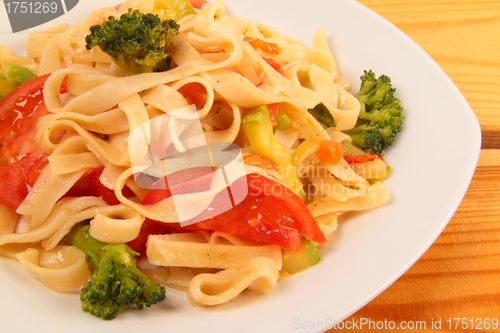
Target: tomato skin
{"points": [[195, 93], [270, 213], [22, 159], [149, 227], [190, 180], [17, 178], [90, 185], [19, 114], [30, 87], [182, 181]]}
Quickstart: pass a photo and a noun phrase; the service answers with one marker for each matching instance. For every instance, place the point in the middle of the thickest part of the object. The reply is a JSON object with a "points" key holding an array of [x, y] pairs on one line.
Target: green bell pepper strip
{"points": [[259, 130], [12, 76]]}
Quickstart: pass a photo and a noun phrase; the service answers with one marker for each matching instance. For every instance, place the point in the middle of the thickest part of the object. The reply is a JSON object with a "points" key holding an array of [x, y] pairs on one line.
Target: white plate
{"points": [[433, 161]]}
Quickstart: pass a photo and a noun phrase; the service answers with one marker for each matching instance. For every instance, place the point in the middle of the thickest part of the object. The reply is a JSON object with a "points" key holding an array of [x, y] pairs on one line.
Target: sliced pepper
{"points": [[259, 130], [12, 76]]}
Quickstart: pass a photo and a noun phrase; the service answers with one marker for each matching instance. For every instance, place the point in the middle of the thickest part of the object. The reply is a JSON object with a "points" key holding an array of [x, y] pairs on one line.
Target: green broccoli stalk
{"points": [[136, 41], [117, 283], [380, 118]]}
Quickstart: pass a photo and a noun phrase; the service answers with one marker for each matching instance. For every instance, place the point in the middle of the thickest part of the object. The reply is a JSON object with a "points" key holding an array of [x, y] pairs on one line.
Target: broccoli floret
{"points": [[136, 41], [117, 283], [380, 118]]}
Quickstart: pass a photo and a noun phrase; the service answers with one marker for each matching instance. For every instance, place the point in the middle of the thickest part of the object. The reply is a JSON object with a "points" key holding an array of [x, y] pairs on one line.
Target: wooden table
{"points": [[459, 276]]}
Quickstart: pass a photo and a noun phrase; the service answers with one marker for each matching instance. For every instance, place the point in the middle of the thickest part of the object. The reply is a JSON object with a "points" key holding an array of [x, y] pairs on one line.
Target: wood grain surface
{"points": [[455, 286]]}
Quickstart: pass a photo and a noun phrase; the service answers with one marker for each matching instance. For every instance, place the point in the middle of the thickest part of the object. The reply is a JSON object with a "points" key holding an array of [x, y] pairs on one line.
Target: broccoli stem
{"points": [[117, 283], [80, 237]]}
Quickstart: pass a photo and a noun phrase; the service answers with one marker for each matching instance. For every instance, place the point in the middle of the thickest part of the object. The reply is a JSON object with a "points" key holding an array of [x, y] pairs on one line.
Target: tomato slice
{"points": [[270, 213], [195, 93], [190, 180], [185, 181], [22, 159], [90, 185], [16, 178]]}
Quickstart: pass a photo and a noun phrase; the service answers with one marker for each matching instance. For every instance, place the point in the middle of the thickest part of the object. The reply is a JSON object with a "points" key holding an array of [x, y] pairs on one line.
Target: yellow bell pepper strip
{"points": [[306, 148], [172, 9], [5, 88], [259, 130]]}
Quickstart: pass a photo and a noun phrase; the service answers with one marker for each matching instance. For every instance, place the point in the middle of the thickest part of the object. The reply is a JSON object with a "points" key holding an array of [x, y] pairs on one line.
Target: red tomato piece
{"points": [[195, 93], [22, 160], [271, 213], [197, 4], [361, 158], [183, 181], [274, 64], [90, 185], [17, 178], [190, 180], [263, 45], [149, 227], [273, 109]]}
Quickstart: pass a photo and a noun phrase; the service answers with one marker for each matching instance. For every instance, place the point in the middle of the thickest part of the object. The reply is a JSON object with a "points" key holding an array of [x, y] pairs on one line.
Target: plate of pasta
{"points": [[260, 166]]}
